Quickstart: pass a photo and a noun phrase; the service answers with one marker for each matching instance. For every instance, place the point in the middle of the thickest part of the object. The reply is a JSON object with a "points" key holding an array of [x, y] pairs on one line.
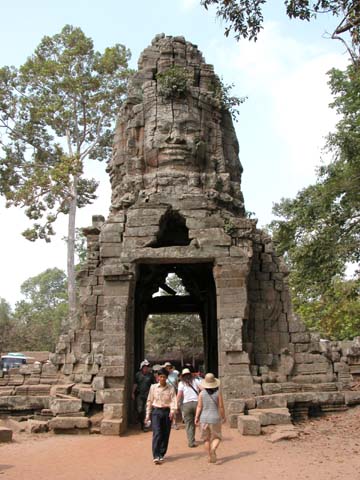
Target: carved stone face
{"points": [[174, 136]]}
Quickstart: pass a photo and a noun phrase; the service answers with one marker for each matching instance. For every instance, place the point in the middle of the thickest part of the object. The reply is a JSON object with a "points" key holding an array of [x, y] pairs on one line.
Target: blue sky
{"points": [[281, 126]]}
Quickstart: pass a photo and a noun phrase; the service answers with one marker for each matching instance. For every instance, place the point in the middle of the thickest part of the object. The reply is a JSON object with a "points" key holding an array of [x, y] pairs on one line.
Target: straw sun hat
{"points": [[210, 381]]}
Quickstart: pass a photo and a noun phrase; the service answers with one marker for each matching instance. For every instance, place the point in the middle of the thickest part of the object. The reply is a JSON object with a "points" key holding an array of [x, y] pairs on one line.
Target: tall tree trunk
{"points": [[71, 255]]}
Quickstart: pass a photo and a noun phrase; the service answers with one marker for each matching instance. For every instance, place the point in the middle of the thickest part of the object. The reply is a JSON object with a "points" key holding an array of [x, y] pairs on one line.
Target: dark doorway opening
{"points": [[197, 278], [177, 338]]}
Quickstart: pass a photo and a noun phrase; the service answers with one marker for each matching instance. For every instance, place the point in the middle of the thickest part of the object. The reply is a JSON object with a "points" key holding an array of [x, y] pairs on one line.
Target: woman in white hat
{"points": [[210, 414], [188, 395]]}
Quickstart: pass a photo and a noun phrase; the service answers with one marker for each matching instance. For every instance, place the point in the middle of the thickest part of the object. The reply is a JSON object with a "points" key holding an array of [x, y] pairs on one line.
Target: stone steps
{"points": [[251, 424]]}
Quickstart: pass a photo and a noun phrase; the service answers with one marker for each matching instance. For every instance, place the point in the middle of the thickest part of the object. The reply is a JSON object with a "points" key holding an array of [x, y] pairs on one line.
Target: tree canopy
{"points": [[179, 334], [319, 230], [245, 17], [36, 321], [56, 111]]}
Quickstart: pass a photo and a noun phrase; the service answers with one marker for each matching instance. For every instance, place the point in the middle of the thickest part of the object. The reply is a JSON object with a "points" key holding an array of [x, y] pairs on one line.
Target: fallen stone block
{"points": [[36, 426], [352, 398], [5, 435], [283, 432], [111, 427], [272, 416], [249, 425], [59, 424]]}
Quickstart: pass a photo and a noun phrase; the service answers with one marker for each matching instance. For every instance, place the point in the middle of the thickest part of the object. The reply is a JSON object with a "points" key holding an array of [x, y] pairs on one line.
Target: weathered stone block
{"points": [[68, 423], [36, 426], [111, 427], [5, 435], [98, 383], [64, 405], [303, 337], [86, 395], [235, 406], [272, 416], [110, 395], [22, 402], [248, 425], [110, 250], [352, 398], [313, 368], [113, 411], [271, 401]]}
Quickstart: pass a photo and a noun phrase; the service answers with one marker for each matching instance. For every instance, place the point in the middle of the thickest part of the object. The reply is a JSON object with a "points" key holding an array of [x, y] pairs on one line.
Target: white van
{"points": [[12, 360]]}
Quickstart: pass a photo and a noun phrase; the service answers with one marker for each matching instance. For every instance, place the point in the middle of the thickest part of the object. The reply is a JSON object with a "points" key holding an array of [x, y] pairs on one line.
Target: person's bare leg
{"points": [[207, 449], [213, 446]]}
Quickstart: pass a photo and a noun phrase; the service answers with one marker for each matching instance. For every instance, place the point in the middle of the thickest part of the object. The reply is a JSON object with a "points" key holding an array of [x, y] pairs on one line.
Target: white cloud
{"points": [[286, 116], [189, 4]]}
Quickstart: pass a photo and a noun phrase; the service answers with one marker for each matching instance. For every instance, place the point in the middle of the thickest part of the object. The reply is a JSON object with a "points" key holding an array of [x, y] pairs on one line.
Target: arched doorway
{"points": [[198, 280]]}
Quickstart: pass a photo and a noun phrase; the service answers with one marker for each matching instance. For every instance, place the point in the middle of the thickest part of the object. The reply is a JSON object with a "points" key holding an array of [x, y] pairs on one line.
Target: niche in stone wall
{"points": [[172, 231]]}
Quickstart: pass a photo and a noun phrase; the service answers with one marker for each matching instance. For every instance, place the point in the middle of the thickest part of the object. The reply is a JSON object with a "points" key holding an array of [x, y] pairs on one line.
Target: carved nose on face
{"points": [[176, 137]]}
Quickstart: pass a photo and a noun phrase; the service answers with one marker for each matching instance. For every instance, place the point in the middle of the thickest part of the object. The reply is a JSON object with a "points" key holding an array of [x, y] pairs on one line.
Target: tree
{"points": [[5, 323], [319, 230], [336, 312], [38, 318], [56, 111], [245, 17], [170, 333], [175, 333]]}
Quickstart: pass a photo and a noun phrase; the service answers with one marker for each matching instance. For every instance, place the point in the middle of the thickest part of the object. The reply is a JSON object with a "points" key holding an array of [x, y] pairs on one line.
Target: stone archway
{"points": [[199, 282]]}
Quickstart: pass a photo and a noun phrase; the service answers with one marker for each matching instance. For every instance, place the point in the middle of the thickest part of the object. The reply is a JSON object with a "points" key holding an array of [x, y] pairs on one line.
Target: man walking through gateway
{"points": [[143, 381], [161, 407]]}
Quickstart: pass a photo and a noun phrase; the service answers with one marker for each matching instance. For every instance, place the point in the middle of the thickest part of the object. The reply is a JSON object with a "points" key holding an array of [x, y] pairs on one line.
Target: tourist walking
{"points": [[173, 379], [143, 380], [188, 395], [210, 414], [161, 407]]}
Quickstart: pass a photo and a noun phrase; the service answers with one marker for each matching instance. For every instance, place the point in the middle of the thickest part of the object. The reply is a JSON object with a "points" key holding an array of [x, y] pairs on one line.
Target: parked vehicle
{"points": [[12, 360]]}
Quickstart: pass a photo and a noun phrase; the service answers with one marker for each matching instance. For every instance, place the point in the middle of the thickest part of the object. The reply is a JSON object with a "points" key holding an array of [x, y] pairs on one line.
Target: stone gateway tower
{"points": [[177, 206]]}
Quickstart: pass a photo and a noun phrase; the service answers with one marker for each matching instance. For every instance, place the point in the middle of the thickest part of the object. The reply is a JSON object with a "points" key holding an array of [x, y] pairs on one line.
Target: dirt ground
{"points": [[327, 449]]}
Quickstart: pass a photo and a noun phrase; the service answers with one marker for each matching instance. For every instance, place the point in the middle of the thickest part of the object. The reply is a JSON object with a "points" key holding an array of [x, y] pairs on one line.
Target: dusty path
{"points": [[327, 449]]}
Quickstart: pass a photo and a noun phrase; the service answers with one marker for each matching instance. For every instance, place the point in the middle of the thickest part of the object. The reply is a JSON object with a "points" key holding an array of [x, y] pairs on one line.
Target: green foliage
{"points": [[245, 17], [56, 110], [5, 324], [318, 231], [170, 333], [37, 319], [173, 82], [180, 333], [229, 226], [227, 100], [80, 247], [336, 313]]}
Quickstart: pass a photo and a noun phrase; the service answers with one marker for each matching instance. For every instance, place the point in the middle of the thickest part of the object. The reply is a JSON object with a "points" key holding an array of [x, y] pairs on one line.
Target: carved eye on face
{"points": [[165, 128], [191, 127]]}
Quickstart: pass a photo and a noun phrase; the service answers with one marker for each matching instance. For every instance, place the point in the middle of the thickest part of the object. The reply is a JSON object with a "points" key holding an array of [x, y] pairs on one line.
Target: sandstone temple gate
{"points": [[177, 207]]}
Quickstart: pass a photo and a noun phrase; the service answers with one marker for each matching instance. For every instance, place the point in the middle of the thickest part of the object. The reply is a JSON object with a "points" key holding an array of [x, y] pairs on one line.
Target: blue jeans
{"points": [[161, 427]]}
